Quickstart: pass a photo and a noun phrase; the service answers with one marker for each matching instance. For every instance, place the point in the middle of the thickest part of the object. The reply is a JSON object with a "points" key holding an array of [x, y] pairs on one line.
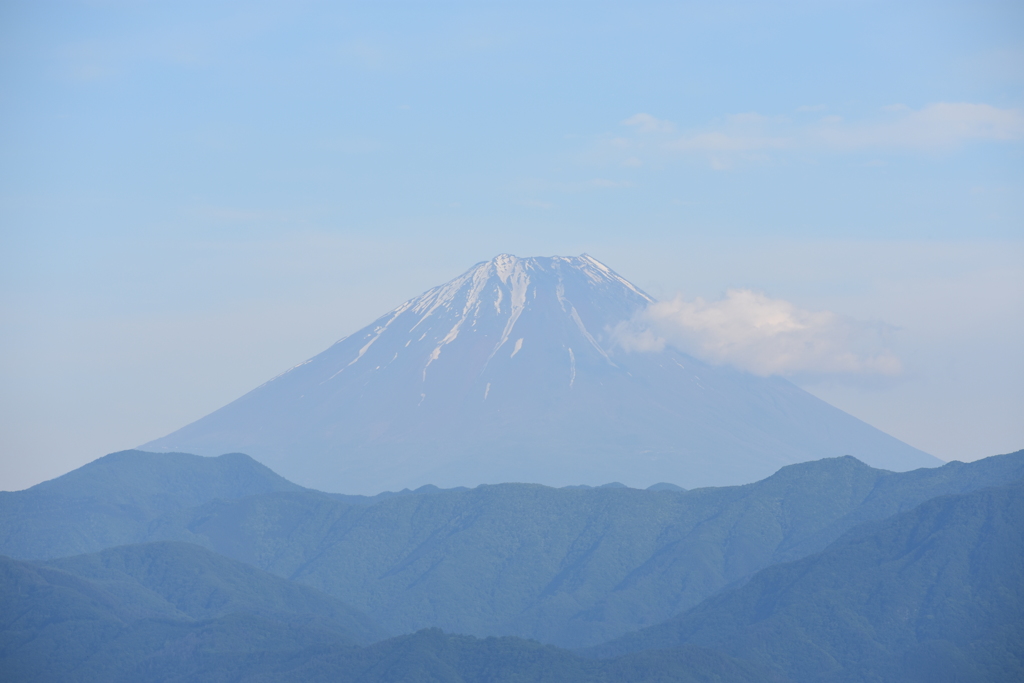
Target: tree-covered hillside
{"points": [[87, 615], [933, 594], [900, 577], [111, 500], [571, 567], [568, 567], [173, 612]]}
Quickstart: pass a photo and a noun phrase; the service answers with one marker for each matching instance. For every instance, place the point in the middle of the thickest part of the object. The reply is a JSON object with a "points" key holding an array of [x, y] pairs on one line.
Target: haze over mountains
{"points": [[169, 566], [938, 585], [510, 373], [569, 566], [217, 569]]}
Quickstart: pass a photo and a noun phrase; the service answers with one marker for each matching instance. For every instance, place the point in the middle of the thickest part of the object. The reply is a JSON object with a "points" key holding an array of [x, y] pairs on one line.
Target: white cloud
{"points": [[646, 123], [735, 137], [751, 136], [723, 142], [936, 126], [765, 336]]}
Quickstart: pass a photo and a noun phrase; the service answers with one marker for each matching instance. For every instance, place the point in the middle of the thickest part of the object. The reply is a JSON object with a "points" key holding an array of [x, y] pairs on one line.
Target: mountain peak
{"points": [[486, 304], [508, 372]]}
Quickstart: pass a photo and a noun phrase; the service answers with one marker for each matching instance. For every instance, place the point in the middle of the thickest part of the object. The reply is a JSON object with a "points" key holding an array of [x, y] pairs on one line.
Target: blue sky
{"points": [[196, 196]]}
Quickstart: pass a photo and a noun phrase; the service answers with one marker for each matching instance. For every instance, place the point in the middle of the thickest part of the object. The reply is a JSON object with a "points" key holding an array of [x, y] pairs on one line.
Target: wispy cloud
{"points": [[935, 127], [646, 123], [765, 336], [724, 142]]}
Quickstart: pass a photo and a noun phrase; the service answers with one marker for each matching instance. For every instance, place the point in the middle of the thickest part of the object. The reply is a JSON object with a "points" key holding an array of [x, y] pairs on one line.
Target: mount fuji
{"points": [[508, 373]]}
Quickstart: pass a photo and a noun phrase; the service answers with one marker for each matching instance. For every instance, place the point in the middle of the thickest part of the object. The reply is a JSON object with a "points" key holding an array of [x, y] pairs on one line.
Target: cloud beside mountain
{"points": [[765, 336]]}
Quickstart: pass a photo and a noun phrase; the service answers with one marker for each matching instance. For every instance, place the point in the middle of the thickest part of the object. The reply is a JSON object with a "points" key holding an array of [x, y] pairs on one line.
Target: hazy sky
{"points": [[196, 196]]}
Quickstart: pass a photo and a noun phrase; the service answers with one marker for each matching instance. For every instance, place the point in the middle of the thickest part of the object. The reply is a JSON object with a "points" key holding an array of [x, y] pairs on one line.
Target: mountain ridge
{"points": [[567, 566], [98, 618], [108, 501], [929, 594], [88, 617]]}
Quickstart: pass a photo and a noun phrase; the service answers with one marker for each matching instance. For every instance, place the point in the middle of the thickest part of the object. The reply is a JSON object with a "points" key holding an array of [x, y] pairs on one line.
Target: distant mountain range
{"points": [[167, 566], [76, 616], [510, 373], [931, 594], [223, 571], [173, 612], [572, 566]]}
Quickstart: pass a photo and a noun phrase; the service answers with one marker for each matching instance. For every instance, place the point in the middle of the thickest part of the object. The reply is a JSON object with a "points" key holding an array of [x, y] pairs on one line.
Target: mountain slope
{"points": [[431, 655], [571, 566], [509, 373], [567, 566], [56, 626], [91, 616], [109, 501], [933, 594], [194, 583]]}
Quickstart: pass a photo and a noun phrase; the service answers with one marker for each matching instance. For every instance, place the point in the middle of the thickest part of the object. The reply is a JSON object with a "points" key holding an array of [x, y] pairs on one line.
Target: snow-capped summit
{"points": [[508, 373], [495, 305]]}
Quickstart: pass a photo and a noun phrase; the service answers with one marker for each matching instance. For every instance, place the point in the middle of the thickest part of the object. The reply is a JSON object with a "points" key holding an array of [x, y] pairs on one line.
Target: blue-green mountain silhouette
{"points": [[932, 594], [80, 616], [565, 566]]}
